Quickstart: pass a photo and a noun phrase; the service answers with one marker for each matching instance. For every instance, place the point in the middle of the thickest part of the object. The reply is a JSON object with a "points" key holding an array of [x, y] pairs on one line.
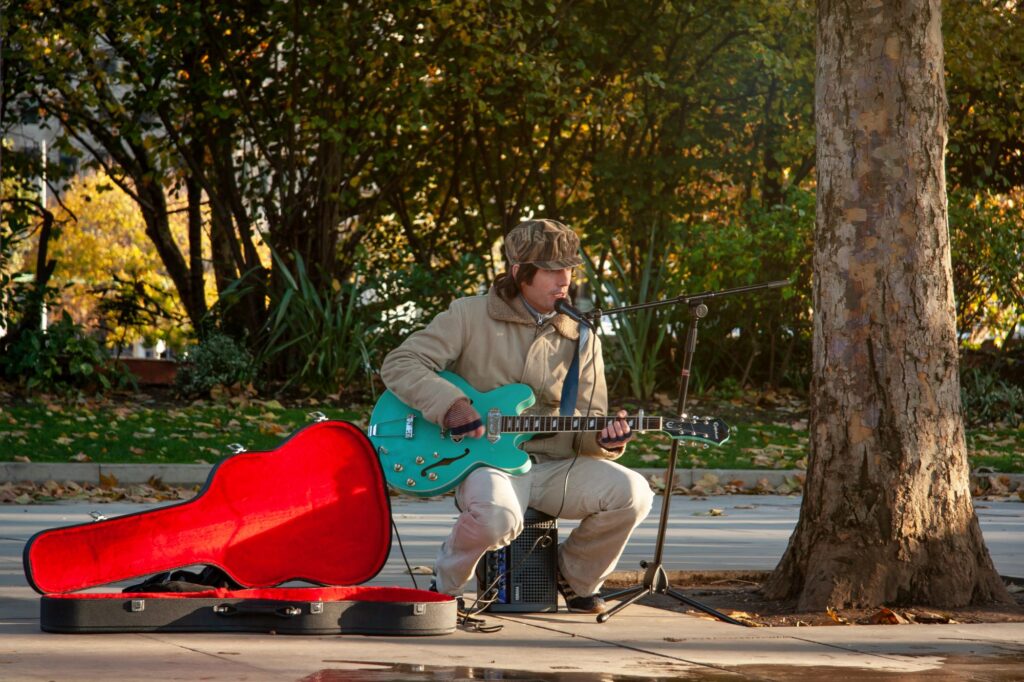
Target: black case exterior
{"points": [[133, 613]]}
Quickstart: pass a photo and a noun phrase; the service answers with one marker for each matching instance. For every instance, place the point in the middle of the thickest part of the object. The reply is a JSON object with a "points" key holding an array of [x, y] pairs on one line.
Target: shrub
{"points": [[61, 358], [986, 398], [217, 360]]}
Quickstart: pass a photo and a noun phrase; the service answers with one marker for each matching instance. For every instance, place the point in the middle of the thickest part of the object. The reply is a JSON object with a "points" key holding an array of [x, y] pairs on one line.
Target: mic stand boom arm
{"points": [[655, 578]]}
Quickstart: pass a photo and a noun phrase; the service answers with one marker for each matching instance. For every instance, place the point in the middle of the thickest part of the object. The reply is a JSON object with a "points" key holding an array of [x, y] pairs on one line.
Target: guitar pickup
{"points": [[493, 425]]}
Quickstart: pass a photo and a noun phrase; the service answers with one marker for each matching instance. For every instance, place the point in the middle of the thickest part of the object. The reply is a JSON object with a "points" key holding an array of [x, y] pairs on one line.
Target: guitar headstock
{"points": [[709, 430]]}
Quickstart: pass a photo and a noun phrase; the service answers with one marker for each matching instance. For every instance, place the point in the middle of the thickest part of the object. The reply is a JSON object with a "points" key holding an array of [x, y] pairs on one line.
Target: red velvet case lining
{"points": [[303, 594], [314, 509]]}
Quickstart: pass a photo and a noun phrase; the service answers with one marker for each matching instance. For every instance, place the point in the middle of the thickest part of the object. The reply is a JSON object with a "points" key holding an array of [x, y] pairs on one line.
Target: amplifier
{"points": [[525, 581]]}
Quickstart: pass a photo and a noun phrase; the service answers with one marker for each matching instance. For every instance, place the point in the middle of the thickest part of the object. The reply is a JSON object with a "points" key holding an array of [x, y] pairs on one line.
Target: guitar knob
{"points": [[382, 450], [432, 476], [411, 483], [420, 460], [399, 467], [436, 455]]}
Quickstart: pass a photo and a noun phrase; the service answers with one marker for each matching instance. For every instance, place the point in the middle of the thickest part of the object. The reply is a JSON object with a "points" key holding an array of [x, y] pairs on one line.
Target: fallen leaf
{"points": [[929, 618], [422, 570], [835, 616], [108, 481], [79, 457], [747, 619], [21, 458], [886, 616]]}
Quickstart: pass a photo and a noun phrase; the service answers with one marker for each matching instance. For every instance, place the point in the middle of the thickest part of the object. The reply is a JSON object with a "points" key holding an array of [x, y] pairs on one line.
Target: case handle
{"points": [[243, 609]]}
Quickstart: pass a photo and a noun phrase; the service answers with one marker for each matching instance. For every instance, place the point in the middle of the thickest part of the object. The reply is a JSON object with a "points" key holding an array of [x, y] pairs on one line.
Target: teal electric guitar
{"points": [[421, 459]]}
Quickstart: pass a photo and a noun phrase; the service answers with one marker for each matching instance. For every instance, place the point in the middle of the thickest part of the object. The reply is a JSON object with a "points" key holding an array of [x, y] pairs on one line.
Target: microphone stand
{"points": [[655, 579]]}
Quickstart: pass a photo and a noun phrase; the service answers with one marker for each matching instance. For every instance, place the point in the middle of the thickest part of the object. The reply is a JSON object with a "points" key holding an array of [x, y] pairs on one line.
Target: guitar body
{"points": [[419, 459]]}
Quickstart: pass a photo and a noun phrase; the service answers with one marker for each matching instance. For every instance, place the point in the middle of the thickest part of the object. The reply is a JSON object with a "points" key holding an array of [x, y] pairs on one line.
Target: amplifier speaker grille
{"points": [[531, 585]]}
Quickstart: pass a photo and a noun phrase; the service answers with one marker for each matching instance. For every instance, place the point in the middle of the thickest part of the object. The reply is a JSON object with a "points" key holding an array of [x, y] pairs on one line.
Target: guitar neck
{"points": [[558, 424]]}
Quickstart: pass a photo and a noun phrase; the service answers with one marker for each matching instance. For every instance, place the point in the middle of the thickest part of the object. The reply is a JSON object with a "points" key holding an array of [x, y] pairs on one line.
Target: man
{"points": [[514, 335]]}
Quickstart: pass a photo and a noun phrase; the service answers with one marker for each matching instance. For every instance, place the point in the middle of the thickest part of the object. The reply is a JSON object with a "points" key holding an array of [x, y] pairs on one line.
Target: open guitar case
{"points": [[315, 509]]}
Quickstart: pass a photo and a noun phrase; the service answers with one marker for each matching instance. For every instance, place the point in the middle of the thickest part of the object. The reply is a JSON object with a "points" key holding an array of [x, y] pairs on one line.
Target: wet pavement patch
{"points": [[391, 672]]}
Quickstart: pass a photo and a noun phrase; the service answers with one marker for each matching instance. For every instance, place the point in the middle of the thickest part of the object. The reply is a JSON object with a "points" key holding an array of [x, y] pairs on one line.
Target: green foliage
{"points": [[988, 399], [639, 336], [217, 360], [988, 262], [63, 358], [393, 139], [984, 51], [317, 334], [404, 297]]}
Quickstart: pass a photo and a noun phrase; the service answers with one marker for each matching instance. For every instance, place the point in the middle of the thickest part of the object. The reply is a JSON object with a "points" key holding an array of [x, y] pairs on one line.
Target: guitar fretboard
{"points": [[555, 424]]}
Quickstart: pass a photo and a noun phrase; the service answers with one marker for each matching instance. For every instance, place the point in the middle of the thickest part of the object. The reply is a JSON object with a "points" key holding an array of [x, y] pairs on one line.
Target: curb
{"points": [[196, 474], [41, 472]]}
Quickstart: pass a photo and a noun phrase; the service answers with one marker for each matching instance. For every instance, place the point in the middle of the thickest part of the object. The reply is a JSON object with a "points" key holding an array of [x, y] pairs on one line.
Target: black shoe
{"points": [[579, 604]]}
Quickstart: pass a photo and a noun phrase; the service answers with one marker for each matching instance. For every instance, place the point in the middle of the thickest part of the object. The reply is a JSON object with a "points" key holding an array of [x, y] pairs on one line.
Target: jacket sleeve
{"points": [[410, 371]]}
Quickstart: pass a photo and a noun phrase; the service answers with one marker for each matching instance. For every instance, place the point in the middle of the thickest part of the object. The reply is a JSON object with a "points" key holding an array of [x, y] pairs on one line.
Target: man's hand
{"points": [[617, 434], [463, 420]]}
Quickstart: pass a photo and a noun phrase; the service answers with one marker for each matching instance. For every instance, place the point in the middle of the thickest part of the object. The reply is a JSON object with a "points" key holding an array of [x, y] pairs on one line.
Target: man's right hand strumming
{"points": [[462, 419]]}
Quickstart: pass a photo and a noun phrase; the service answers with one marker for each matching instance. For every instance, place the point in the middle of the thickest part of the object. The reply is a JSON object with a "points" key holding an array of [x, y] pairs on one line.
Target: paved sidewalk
{"points": [[750, 533]]}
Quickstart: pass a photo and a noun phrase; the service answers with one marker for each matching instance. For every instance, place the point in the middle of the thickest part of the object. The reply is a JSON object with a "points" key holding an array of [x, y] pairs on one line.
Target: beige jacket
{"points": [[491, 342]]}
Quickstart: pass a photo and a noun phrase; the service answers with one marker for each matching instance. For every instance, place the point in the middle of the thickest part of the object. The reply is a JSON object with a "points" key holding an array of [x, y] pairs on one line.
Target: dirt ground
{"points": [[737, 594]]}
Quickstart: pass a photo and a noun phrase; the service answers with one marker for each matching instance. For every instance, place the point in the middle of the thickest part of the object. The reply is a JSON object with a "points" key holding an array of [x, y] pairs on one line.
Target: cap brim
{"points": [[571, 262]]}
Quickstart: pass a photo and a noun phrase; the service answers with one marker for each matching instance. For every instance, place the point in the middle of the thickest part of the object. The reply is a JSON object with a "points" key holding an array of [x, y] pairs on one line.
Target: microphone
{"points": [[563, 306]]}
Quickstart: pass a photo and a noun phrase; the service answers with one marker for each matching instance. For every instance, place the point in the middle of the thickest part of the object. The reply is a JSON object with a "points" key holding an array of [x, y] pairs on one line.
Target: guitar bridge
{"points": [[408, 426]]}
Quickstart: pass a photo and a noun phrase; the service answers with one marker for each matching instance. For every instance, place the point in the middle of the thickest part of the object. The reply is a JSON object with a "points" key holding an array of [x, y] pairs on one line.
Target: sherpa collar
{"points": [[513, 311]]}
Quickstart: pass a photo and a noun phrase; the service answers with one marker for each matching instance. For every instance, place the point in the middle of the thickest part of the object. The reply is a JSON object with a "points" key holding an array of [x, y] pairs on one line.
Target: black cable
{"points": [[402, 550], [481, 594]]}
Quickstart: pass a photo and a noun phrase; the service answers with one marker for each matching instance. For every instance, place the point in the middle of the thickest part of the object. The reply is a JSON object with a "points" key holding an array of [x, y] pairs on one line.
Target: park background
{"points": [[278, 194]]}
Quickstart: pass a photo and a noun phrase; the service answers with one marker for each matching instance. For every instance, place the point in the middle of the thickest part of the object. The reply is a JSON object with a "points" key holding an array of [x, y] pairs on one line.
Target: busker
{"points": [[513, 334]]}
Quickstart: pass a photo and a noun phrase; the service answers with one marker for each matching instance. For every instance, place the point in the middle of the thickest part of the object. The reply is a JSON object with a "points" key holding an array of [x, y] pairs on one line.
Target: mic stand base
{"points": [[656, 582]]}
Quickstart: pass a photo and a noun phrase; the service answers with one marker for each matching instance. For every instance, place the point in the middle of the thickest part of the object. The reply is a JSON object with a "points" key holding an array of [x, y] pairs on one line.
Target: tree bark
{"points": [[887, 516]]}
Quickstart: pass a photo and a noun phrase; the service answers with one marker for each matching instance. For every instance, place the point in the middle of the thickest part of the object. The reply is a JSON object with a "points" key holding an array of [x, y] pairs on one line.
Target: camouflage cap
{"points": [[548, 244]]}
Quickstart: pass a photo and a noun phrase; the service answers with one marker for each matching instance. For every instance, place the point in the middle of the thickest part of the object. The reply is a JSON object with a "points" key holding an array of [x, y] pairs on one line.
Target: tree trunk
{"points": [[887, 516]]}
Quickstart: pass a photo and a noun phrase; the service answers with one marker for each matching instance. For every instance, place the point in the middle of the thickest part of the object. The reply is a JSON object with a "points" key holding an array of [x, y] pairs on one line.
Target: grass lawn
{"points": [[150, 430], [48, 431]]}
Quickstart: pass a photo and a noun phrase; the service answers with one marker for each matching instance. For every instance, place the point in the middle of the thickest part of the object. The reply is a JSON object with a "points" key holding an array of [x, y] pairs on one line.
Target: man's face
{"points": [[547, 287]]}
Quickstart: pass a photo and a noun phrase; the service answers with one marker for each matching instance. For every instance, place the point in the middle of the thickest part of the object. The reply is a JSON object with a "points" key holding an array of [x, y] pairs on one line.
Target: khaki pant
{"points": [[608, 499]]}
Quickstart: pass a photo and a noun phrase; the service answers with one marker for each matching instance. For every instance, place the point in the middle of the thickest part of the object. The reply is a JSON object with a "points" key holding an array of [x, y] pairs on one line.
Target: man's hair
{"points": [[508, 286]]}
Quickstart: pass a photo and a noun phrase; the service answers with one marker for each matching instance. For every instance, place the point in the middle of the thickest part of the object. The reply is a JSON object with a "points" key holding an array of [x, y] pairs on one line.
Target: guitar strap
{"points": [[571, 387]]}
